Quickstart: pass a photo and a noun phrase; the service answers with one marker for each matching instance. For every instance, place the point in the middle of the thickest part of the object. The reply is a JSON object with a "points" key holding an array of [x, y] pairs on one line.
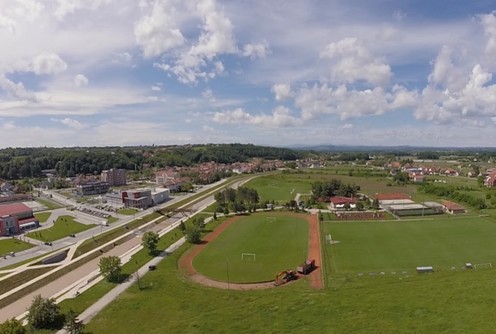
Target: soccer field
{"points": [[403, 245], [279, 187], [277, 242]]}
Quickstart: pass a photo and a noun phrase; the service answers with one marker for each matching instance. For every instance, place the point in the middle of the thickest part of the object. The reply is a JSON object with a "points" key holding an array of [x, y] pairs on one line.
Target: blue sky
{"points": [[139, 72]]}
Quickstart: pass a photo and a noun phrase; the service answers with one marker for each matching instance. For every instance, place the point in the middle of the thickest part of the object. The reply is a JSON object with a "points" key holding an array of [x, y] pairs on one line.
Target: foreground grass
{"points": [[63, 227], [13, 245], [463, 302]]}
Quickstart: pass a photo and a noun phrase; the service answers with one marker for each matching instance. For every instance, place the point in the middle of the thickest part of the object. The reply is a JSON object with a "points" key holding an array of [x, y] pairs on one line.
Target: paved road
{"points": [[54, 288]]}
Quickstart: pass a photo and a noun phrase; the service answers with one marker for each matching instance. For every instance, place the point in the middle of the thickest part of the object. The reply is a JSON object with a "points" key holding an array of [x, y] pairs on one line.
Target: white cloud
{"points": [[156, 88], [282, 91], [280, 117], [80, 80], [16, 90], [8, 125], [65, 7], [488, 22], [347, 126], [257, 50], [48, 63], [200, 60], [351, 61], [71, 123], [157, 33]]}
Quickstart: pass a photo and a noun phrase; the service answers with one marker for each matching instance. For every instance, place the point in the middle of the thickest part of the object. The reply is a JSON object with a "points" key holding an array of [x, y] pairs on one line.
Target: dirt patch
{"points": [[185, 263], [314, 252]]}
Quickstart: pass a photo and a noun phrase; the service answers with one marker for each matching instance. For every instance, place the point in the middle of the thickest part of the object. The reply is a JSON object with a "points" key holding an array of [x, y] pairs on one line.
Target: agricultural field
{"points": [[365, 247], [255, 248], [63, 227]]}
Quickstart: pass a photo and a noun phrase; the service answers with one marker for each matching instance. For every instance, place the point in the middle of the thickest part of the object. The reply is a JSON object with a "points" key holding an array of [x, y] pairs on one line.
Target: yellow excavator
{"points": [[285, 276]]}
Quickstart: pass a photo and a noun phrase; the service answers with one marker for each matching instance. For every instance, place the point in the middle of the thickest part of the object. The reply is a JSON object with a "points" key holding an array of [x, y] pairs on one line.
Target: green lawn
{"points": [[280, 187], [13, 245], [127, 211], [277, 245], [63, 227], [43, 216], [403, 245], [454, 303]]}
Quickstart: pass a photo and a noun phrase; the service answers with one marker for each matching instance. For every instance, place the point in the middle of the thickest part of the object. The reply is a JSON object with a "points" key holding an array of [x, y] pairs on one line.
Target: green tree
{"points": [[375, 204], [150, 241], [72, 324], [110, 268], [44, 313], [193, 235], [12, 326], [182, 227], [359, 206]]}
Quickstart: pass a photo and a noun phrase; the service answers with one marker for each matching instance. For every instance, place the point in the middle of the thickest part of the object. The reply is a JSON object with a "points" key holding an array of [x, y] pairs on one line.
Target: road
{"points": [[55, 287]]}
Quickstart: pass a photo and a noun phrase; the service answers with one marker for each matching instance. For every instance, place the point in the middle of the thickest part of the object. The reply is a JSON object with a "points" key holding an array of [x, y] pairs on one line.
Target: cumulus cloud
{"points": [[80, 80], [347, 103], [351, 61], [488, 22], [200, 60], [280, 117], [282, 91], [48, 63], [156, 88], [71, 123], [17, 90], [65, 7], [157, 33], [257, 50]]}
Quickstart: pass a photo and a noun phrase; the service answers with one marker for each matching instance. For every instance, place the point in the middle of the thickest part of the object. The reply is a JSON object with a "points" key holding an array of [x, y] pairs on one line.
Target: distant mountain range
{"points": [[402, 148]]}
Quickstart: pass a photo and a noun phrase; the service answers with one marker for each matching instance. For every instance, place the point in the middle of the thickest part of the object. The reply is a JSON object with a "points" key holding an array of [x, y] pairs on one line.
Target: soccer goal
{"points": [[486, 265], [248, 257], [271, 219]]}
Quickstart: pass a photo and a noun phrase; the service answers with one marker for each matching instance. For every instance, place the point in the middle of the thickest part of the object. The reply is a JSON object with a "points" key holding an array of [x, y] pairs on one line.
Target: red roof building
{"points": [[452, 207], [391, 196], [339, 202]]}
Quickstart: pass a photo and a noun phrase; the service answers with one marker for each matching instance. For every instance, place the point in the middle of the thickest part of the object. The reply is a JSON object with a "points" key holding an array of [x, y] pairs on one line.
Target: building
{"points": [[92, 188], [114, 177], [15, 218], [452, 207], [340, 203], [139, 199], [160, 195]]}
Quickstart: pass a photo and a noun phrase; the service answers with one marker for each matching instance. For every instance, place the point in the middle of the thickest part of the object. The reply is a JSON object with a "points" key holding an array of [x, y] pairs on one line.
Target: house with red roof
{"points": [[452, 207], [339, 202]]}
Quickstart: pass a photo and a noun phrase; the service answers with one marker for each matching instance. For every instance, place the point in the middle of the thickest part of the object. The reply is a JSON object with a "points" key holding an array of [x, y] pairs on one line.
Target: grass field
{"points": [[278, 245], [463, 302], [403, 245], [127, 211], [63, 227], [43, 216], [279, 187], [13, 245]]}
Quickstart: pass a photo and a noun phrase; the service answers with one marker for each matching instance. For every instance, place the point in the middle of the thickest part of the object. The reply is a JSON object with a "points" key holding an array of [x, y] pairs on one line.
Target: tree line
{"points": [[18, 163], [334, 187]]}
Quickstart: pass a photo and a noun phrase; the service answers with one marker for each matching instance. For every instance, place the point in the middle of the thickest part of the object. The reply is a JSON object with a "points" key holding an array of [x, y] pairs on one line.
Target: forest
{"points": [[18, 163]]}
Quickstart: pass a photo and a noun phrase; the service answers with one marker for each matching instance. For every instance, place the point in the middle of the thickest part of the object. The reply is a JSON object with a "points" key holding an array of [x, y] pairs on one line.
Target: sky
{"points": [[277, 72]]}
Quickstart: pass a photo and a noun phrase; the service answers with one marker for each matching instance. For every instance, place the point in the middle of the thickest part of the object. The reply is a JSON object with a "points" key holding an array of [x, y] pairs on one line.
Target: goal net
{"points": [[271, 219], [248, 257], [487, 265]]}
